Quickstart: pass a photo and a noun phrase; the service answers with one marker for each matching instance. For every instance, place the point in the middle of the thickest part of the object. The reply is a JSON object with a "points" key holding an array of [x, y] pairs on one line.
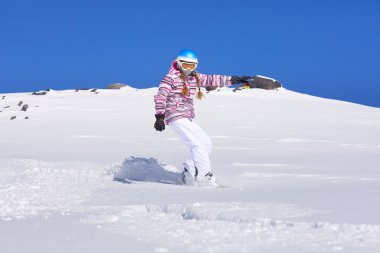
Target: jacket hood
{"points": [[174, 69]]}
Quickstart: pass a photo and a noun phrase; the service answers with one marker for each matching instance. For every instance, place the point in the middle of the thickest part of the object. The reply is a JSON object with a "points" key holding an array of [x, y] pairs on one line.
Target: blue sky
{"points": [[327, 48]]}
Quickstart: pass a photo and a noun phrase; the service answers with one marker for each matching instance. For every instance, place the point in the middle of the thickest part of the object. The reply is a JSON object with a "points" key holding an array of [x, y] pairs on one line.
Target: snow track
{"points": [[36, 188], [233, 227]]}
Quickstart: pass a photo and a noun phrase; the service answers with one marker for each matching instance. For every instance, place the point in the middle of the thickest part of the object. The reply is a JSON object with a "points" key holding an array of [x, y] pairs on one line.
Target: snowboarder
{"points": [[175, 106]]}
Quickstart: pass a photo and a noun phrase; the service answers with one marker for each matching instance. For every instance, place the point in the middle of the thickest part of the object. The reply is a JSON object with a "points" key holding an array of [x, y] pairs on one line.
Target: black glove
{"points": [[160, 124], [240, 79]]}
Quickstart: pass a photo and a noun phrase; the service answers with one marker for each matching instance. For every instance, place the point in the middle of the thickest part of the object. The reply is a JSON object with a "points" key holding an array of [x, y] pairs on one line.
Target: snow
{"points": [[266, 78], [86, 172]]}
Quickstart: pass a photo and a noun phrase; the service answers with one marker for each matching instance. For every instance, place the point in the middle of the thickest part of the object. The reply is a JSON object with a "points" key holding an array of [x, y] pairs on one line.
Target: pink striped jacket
{"points": [[169, 99]]}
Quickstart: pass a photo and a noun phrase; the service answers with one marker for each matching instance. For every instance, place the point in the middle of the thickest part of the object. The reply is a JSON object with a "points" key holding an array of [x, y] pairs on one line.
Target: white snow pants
{"points": [[198, 142]]}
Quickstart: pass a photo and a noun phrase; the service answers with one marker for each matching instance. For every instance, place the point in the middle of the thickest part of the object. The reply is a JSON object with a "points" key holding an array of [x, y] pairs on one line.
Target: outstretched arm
{"points": [[214, 80], [222, 80], [253, 81]]}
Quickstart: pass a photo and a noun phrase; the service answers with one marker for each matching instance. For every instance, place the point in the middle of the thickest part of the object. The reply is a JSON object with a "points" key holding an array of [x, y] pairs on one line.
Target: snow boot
{"points": [[211, 179], [187, 178], [207, 180]]}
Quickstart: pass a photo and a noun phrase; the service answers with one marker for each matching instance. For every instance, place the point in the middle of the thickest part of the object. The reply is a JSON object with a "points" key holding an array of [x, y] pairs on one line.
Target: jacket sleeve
{"points": [[214, 80], [163, 92]]}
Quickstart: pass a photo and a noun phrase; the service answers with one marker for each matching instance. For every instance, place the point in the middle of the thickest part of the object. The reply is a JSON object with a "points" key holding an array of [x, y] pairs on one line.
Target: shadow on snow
{"points": [[147, 170]]}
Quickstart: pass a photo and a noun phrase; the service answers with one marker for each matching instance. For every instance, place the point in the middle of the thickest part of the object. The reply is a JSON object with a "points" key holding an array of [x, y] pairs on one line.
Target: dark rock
{"points": [[3, 97], [20, 103], [26, 117], [210, 88], [261, 82], [24, 108], [6, 106], [264, 82], [93, 90], [39, 93], [116, 86], [13, 117]]}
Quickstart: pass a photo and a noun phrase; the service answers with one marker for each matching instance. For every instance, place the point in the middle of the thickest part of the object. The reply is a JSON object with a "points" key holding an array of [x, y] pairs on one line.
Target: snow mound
{"points": [[32, 187], [145, 169]]}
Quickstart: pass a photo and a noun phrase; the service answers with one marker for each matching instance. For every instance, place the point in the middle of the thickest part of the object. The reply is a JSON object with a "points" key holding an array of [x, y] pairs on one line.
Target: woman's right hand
{"points": [[159, 125]]}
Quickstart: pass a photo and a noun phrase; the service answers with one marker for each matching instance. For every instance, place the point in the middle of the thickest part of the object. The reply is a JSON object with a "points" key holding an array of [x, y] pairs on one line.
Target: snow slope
{"points": [[87, 172]]}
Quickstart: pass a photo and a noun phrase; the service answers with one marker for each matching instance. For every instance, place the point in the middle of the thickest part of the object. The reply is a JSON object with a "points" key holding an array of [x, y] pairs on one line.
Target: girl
{"points": [[174, 104]]}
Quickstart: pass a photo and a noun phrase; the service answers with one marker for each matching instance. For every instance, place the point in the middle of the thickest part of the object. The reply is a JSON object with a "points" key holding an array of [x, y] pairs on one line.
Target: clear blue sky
{"points": [[326, 48]]}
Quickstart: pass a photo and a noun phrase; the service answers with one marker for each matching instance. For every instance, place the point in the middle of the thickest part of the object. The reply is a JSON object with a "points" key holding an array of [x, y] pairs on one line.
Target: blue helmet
{"points": [[188, 55], [184, 57]]}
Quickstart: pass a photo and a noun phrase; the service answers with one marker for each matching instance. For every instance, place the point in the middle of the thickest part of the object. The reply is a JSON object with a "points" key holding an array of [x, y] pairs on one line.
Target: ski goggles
{"points": [[188, 65]]}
